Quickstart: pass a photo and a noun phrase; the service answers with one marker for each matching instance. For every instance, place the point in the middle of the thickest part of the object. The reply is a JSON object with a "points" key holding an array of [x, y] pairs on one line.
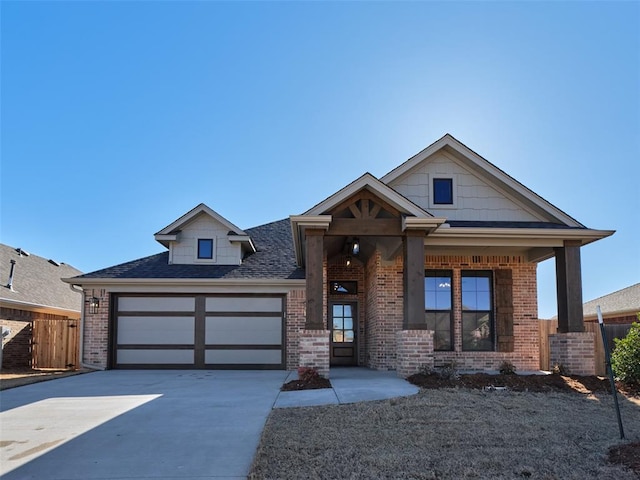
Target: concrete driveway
{"points": [[136, 424]]}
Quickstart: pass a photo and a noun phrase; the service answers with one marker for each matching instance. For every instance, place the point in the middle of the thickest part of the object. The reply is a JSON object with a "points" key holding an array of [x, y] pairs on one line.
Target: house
{"points": [[620, 307], [432, 263], [31, 290]]}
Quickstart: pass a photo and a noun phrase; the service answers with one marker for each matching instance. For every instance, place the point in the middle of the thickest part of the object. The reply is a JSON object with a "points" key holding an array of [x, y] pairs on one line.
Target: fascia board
{"points": [[586, 236], [376, 186], [188, 284], [191, 214], [242, 239], [416, 223], [35, 307]]}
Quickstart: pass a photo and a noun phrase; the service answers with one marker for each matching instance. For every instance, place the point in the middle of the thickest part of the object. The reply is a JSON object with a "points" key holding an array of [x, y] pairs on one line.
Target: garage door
{"points": [[198, 331]]}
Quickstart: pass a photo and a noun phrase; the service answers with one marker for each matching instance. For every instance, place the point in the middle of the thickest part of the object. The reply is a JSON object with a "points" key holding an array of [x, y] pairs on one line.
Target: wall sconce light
{"points": [[348, 262], [355, 246], [94, 304]]}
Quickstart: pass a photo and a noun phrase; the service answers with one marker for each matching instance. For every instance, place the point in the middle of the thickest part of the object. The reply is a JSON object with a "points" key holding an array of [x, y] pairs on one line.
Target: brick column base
{"points": [[414, 350], [575, 351], [314, 350]]}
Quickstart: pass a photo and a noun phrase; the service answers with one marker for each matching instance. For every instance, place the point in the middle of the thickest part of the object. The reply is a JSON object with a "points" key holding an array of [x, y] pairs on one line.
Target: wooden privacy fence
{"points": [[56, 343], [549, 327]]}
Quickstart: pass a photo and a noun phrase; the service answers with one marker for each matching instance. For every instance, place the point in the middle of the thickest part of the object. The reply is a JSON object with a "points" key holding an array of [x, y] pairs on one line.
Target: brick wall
{"points": [[574, 351], [96, 330], [384, 303], [296, 315], [526, 354], [314, 350], [414, 351]]}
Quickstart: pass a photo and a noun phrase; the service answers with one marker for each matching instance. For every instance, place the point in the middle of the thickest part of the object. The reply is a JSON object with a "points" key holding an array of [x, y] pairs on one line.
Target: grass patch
{"points": [[449, 434]]}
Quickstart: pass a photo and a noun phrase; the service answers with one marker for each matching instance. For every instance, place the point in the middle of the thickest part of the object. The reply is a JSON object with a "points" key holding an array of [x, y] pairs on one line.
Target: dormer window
{"points": [[443, 191], [205, 248]]}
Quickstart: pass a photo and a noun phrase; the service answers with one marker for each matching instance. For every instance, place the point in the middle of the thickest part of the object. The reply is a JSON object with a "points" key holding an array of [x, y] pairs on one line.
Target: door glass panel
{"points": [[337, 311], [347, 310], [348, 335], [348, 323], [338, 336], [343, 323], [337, 323]]}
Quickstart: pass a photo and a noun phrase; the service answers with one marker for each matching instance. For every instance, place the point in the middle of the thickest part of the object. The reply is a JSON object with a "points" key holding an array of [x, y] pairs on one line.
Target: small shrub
{"points": [[449, 371], [425, 370], [507, 368], [560, 369], [625, 359], [307, 374]]}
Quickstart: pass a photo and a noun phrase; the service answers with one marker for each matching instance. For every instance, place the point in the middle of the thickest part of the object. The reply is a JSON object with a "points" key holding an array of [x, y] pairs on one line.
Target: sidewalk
{"points": [[350, 385]]}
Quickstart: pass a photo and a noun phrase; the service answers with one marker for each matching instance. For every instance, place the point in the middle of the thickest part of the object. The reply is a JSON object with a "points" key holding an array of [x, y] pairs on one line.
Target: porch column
{"points": [[413, 249], [314, 261], [569, 287]]}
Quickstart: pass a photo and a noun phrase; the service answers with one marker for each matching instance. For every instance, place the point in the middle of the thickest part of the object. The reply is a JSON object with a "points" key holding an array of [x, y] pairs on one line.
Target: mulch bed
{"points": [[627, 455], [308, 384], [523, 383]]}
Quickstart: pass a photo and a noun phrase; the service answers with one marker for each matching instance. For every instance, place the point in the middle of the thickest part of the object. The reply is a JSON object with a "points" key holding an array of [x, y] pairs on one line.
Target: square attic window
{"points": [[443, 191], [205, 248]]}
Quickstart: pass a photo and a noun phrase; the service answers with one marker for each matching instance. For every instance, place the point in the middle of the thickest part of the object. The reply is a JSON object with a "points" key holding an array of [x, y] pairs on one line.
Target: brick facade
{"points": [[96, 330], [574, 351], [295, 318], [414, 350], [314, 350]]}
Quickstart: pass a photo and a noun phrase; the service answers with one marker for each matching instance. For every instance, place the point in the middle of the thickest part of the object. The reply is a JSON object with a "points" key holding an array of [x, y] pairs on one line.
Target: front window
{"points": [[205, 248], [477, 316], [438, 313]]}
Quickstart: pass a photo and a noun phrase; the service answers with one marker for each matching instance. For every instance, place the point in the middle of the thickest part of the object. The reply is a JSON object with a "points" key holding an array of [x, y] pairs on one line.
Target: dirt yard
{"points": [[457, 433], [17, 378]]}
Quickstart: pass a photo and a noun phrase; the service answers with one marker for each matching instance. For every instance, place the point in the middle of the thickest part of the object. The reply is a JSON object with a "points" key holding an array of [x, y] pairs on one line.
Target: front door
{"points": [[343, 333]]}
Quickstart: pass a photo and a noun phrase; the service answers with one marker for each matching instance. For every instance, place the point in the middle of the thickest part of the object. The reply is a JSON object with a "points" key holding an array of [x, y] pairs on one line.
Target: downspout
{"points": [[81, 353]]}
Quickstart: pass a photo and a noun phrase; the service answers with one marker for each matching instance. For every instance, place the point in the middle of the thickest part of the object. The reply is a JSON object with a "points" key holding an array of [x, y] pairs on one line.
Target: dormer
{"points": [[203, 237]]}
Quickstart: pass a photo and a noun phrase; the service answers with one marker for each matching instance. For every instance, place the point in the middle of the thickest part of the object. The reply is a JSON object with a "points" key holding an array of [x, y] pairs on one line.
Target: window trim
{"points": [[213, 250], [436, 273], [454, 191], [491, 312]]}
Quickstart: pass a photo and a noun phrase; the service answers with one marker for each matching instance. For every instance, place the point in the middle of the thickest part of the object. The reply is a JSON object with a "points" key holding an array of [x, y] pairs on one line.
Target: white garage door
{"points": [[198, 331]]}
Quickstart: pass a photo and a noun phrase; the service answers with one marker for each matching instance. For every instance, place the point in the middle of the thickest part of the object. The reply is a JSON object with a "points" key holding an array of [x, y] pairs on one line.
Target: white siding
{"points": [[185, 250], [476, 200]]}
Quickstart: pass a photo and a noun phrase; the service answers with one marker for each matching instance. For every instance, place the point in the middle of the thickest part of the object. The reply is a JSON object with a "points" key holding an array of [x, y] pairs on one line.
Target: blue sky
{"points": [[118, 117]]}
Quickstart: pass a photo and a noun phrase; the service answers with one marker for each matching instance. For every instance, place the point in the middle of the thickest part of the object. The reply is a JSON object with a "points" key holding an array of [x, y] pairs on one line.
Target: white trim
{"points": [[378, 188], [454, 193], [415, 223], [481, 165]]}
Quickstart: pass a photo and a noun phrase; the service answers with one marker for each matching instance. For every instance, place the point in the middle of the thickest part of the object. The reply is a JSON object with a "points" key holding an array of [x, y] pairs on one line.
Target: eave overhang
{"points": [[35, 307], [299, 224], [244, 240]]}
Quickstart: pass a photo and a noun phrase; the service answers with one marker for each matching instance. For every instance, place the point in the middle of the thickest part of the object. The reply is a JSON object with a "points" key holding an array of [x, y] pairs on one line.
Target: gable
{"points": [[203, 229], [481, 191]]}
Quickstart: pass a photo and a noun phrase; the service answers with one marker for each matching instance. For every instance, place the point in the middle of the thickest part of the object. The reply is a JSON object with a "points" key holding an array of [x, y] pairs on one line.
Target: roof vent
{"points": [[53, 262], [13, 266], [22, 253]]}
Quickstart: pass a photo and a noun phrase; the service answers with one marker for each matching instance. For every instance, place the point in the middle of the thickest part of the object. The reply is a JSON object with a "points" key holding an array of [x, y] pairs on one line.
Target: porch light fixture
{"points": [[355, 246], [348, 261], [94, 304]]}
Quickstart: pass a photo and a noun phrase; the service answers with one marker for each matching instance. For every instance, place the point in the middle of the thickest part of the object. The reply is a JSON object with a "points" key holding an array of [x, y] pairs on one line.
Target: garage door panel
{"points": [[155, 357], [240, 356], [156, 304], [243, 330], [243, 304], [198, 331], [156, 330]]}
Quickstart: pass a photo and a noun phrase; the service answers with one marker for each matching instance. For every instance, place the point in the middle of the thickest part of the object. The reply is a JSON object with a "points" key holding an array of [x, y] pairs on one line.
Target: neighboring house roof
{"points": [[621, 303], [37, 283], [273, 260]]}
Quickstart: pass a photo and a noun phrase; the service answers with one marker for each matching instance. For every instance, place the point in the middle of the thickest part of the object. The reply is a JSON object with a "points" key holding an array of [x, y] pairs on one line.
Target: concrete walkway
{"points": [[169, 425], [350, 385]]}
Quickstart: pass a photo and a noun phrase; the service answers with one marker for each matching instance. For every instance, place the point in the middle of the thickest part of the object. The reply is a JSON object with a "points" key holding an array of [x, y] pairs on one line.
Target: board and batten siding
{"points": [[475, 199]]}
